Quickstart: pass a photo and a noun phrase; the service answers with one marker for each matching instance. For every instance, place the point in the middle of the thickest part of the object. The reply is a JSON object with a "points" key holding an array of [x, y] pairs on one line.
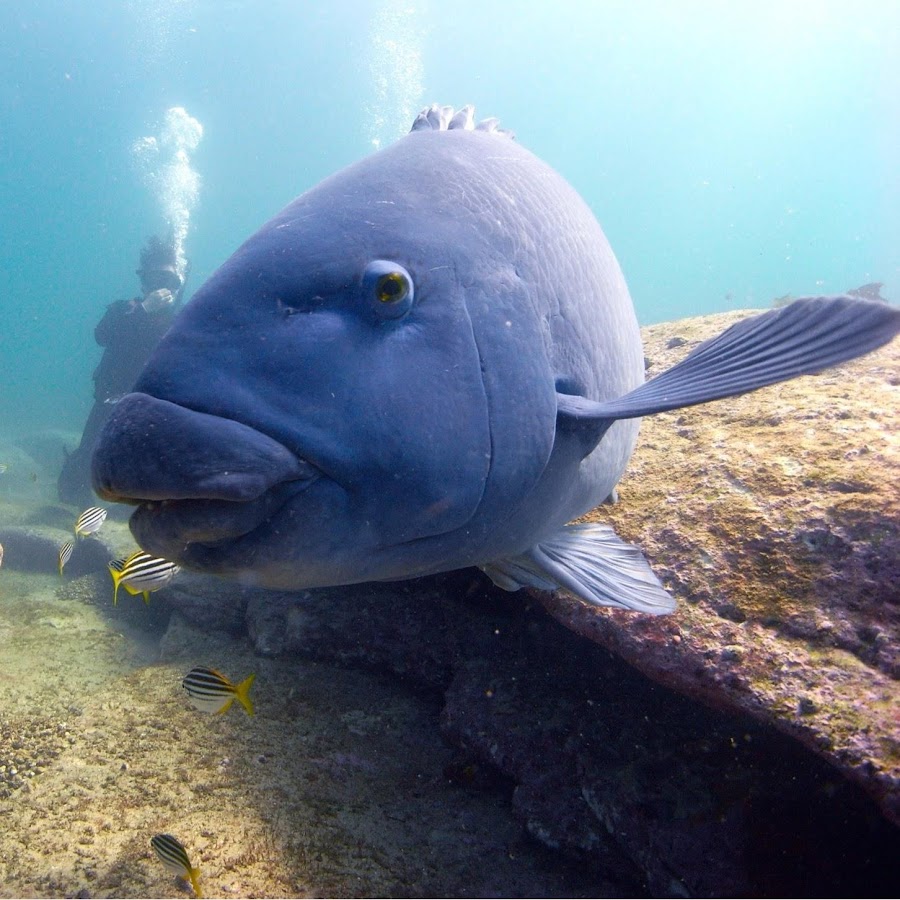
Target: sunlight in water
{"points": [[396, 70], [160, 22], [164, 162]]}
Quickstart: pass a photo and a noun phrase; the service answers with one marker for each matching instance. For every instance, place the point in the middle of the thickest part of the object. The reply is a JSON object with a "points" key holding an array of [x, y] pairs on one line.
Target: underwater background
{"points": [[733, 153], [440, 737]]}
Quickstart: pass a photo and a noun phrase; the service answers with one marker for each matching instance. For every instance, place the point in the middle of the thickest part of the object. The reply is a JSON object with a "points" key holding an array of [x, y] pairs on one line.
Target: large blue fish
{"points": [[428, 361]]}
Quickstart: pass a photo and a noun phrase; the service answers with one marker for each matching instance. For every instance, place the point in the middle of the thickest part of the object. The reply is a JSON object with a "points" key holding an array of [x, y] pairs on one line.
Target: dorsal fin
{"points": [[445, 118]]}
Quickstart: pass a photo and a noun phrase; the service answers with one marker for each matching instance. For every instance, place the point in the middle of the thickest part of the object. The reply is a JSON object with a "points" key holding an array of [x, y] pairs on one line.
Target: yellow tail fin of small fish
{"points": [[116, 577], [135, 591], [194, 876], [243, 694]]}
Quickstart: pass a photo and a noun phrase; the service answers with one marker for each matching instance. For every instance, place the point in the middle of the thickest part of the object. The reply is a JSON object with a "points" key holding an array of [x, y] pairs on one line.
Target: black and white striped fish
{"points": [[211, 691], [171, 853], [90, 521], [141, 573], [65, 552]]}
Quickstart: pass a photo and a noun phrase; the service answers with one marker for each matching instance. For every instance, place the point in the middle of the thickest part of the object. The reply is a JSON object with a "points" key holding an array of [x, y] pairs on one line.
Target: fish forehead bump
{"points": [[409, 201], [498, 232]]}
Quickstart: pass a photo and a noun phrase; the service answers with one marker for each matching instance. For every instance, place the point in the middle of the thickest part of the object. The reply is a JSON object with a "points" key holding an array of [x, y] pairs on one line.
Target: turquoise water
{"points": [[733, 152]]}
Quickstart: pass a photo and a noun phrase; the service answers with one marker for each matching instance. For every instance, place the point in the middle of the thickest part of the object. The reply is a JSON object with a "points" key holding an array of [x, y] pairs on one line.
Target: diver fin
{"points": [[803, 338], [590, 561]]}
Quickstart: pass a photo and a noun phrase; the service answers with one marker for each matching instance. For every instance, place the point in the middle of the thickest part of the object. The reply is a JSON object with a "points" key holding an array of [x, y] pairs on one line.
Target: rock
{"points": [[56, 515], [399, 627], [774, 519], [24, 480], [48, 447], [35, 548], [143, 621], [871, 291], [179, 640], [637, 783], [776, 523], [208, 602]]}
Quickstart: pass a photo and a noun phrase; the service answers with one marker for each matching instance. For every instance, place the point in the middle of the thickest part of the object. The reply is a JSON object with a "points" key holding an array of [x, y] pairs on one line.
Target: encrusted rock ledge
{"points": [[775, 520]]}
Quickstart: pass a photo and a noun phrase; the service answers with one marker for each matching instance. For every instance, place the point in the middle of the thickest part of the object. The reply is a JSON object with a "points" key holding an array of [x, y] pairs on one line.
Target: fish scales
{"points": [[171, 853], [207, 684]]}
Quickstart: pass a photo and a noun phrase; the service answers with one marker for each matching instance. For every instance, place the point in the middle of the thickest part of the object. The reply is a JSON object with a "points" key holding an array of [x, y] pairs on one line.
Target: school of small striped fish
{"points": [[209, 690]]}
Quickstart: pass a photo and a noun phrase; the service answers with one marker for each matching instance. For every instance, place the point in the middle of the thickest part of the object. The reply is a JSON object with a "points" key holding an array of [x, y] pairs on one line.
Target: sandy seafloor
{"points": [[337, 787]]}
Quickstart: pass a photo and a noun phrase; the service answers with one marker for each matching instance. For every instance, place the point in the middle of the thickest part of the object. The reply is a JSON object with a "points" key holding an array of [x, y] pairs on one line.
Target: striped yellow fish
{"points": [[171, 853], [141, 573], [211, 691], [65, 553], [90, 521]]}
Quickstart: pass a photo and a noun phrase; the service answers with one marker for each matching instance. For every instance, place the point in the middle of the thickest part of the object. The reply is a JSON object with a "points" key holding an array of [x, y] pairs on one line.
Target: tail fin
{"points": [[117, 578], [194, 877], [242, 691]]}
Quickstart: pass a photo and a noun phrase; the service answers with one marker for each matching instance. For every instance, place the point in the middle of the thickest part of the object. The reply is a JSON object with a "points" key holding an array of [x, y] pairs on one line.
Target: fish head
{"points": [[325, 409]]}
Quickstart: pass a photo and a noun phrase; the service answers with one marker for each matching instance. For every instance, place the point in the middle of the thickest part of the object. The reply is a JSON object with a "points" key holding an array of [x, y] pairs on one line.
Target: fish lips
{"points": [[152, 449], [195, 477], [174, 529]]}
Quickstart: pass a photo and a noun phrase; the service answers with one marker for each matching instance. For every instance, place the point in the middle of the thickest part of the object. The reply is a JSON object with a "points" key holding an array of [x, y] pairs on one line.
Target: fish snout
{"points": [[152, 449]]}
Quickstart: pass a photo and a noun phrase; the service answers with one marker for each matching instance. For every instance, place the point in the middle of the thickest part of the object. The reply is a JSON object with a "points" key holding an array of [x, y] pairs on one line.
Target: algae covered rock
{"points": [[35, 548], [775, 520]]}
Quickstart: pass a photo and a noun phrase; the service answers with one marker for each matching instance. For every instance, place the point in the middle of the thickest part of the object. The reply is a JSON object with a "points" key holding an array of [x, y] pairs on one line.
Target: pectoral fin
{"points": [[803, 338], [593, 563]]}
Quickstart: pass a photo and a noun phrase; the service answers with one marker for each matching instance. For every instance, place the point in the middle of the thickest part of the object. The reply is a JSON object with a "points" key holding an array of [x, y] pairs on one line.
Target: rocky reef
{"points": [[773, 518], [748, 744]]}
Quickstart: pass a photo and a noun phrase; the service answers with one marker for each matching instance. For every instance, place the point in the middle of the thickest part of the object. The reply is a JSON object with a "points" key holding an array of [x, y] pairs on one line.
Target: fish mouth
{"points": [[194, 477], [185, 530]]}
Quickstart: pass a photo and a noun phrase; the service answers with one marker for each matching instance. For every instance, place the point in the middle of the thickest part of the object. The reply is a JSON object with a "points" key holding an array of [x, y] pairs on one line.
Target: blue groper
{"points": [[428, 361]]}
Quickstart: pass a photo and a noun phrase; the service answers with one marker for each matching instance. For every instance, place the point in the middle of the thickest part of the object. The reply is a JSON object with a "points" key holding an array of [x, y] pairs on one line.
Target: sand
{"points": [[336, 787]]}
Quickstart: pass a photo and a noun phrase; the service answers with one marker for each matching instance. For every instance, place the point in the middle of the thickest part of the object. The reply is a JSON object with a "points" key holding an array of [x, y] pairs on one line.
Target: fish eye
{"points": [[392, 288], [388, 288]]}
